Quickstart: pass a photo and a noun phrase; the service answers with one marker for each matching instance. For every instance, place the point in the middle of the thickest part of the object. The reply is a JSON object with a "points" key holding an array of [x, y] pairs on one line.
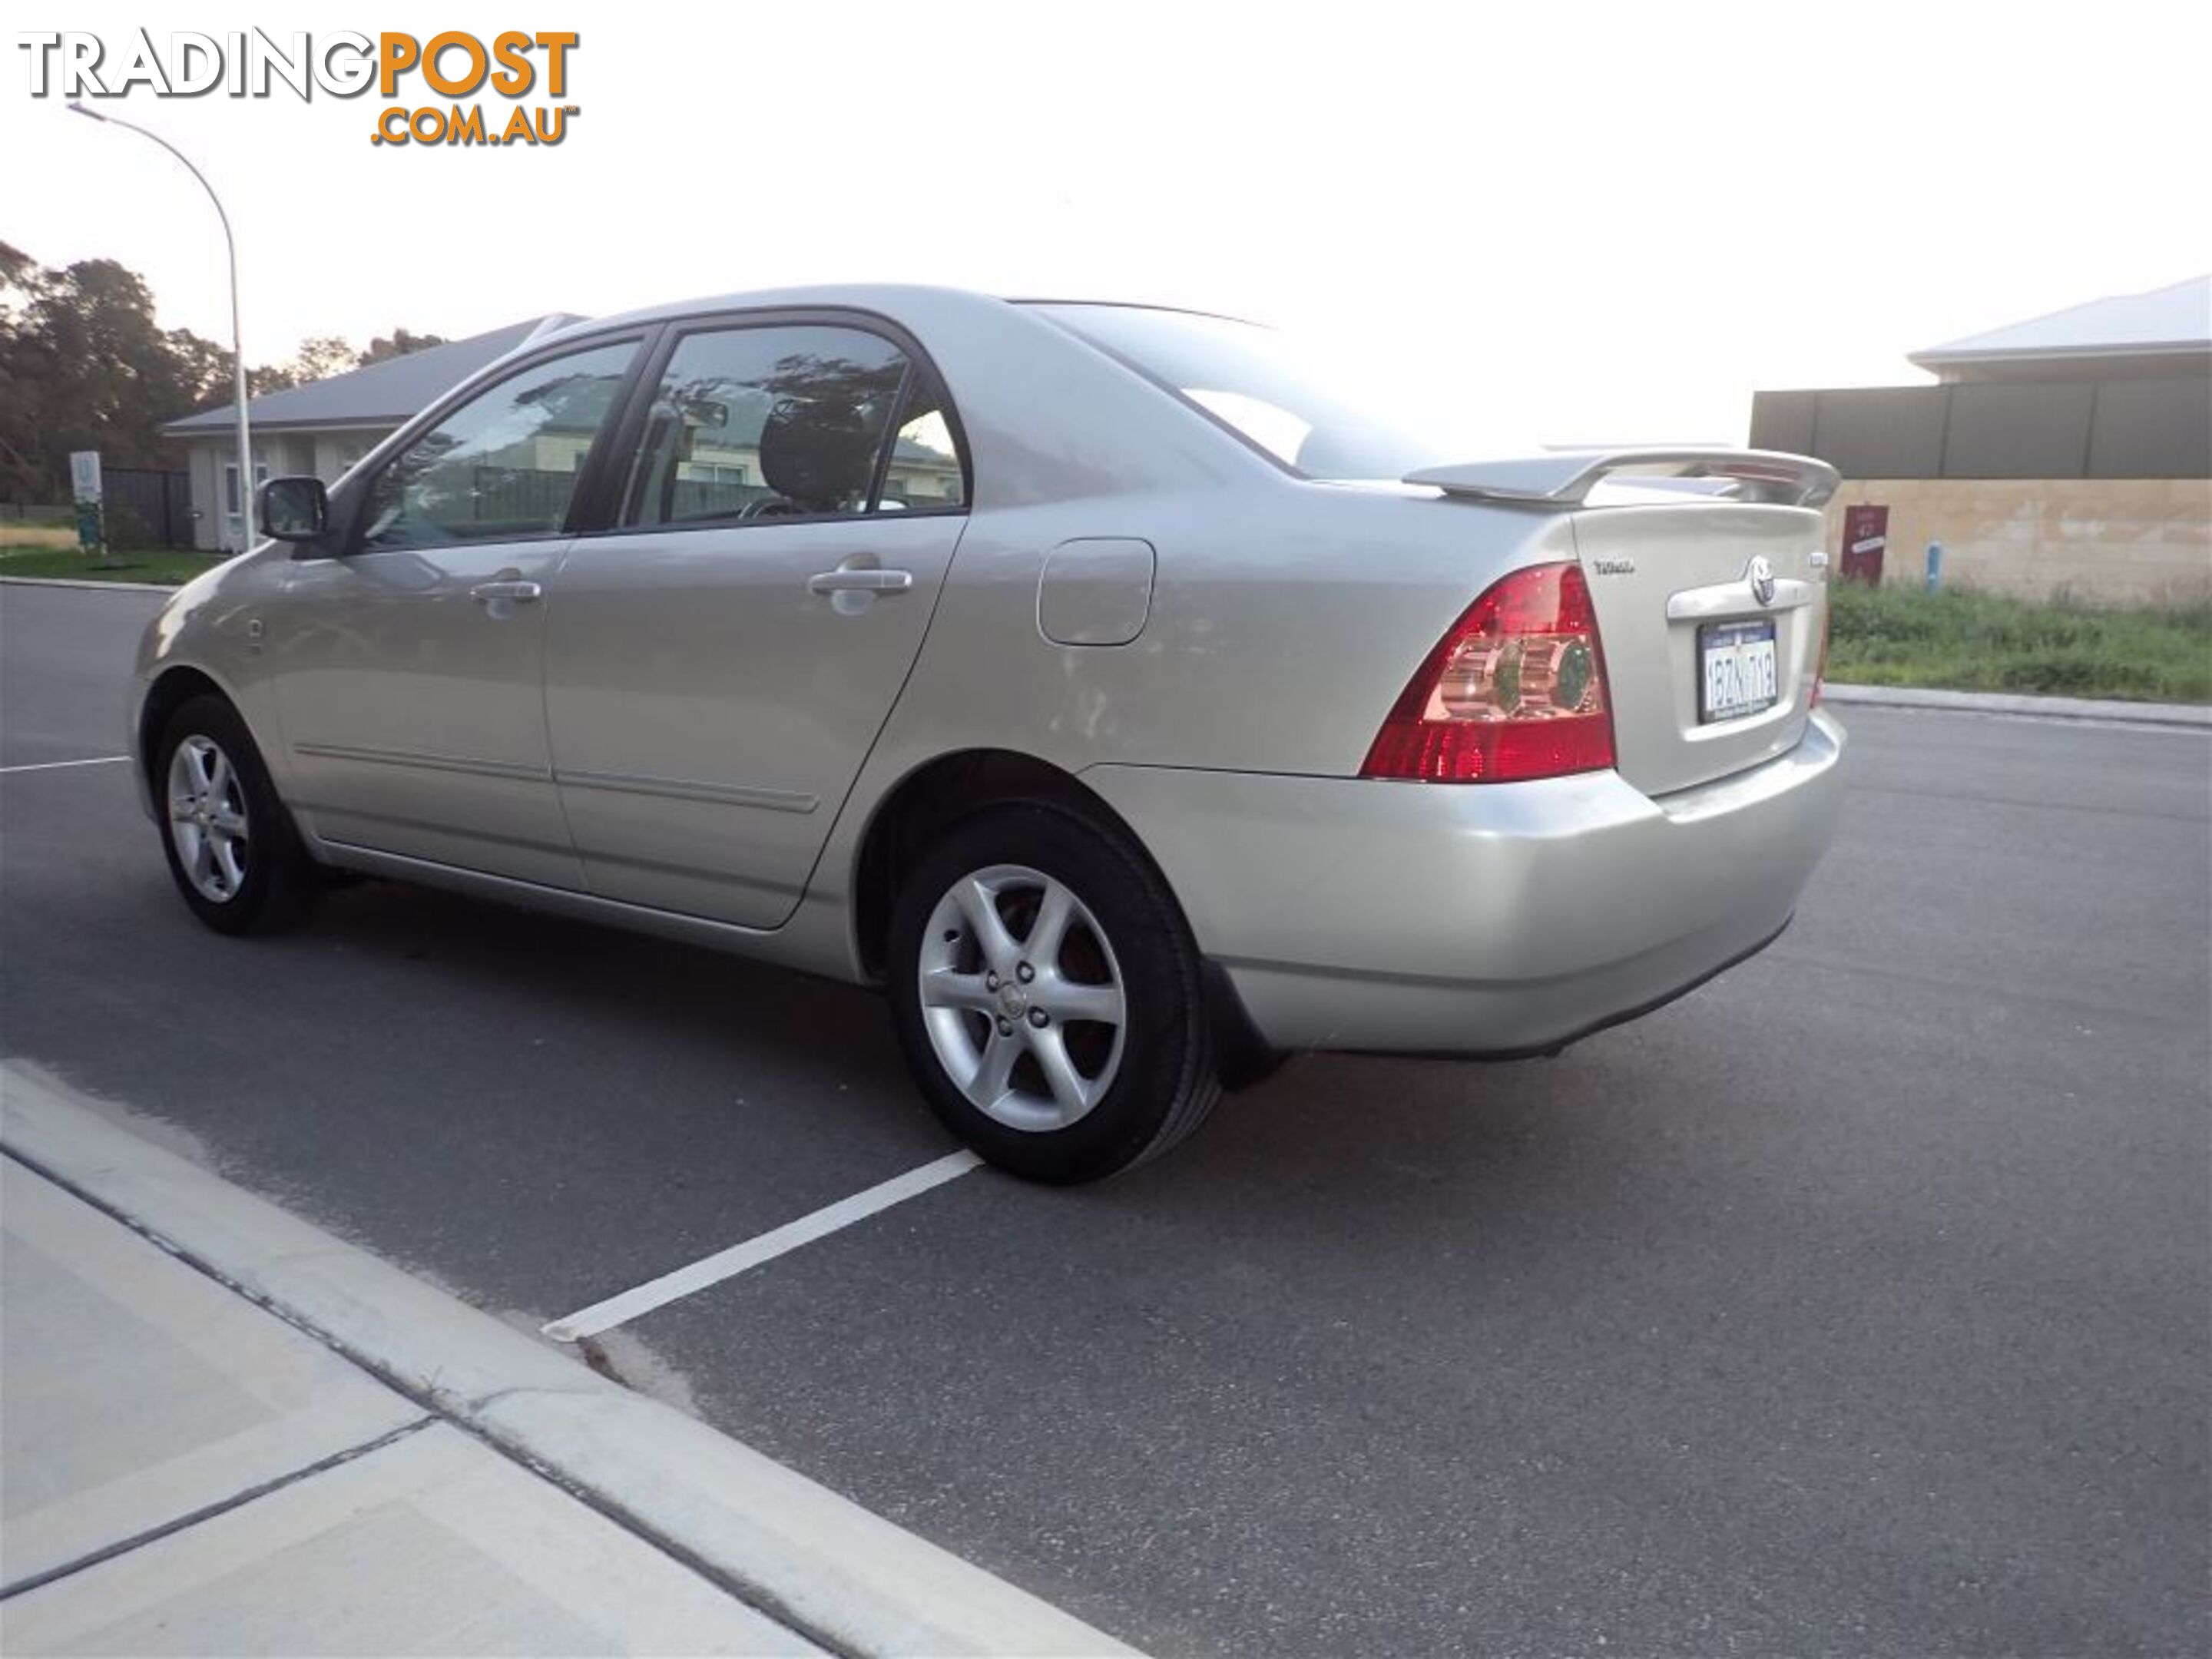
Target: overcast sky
{"points": [[1575, 223]]}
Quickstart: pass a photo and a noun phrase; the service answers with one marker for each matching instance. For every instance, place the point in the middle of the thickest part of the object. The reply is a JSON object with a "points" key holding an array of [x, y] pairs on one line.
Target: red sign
{"points": [[1866, 536]]}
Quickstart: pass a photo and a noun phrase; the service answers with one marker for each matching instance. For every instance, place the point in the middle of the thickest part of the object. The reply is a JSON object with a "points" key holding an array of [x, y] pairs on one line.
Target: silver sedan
{"points": [[1129, 701]]}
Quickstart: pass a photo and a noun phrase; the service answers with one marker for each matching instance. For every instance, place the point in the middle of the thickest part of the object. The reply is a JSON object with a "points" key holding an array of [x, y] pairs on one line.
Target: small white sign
{"points": [[84, 474]]}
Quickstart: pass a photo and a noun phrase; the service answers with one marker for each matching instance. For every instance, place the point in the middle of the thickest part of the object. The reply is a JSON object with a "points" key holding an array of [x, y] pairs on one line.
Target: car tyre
{"points": [[1048, 995], [232, 847]]}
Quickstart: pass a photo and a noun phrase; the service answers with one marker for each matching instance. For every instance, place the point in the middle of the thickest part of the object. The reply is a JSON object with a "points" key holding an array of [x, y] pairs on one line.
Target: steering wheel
{"points": [[772, 507]]}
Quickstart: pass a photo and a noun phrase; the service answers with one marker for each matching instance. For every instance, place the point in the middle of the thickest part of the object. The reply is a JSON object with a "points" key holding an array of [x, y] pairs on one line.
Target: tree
{"points": [[398, 343], [83, 365], [320, 356], [202, 365], [17, 464]]}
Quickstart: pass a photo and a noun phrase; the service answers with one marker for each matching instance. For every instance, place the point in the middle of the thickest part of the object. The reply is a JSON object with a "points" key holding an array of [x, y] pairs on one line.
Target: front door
{"points": [[409, 672], [722, 660]]}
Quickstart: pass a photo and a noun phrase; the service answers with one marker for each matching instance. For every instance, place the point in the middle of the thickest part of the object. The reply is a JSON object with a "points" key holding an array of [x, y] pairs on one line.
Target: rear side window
{"points": [[801, 421], [503, 466], [1309, 413], [926, 469]]}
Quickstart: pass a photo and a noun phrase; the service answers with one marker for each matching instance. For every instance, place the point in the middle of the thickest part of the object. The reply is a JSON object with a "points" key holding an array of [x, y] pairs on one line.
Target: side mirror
{"points": [[292, 509]]}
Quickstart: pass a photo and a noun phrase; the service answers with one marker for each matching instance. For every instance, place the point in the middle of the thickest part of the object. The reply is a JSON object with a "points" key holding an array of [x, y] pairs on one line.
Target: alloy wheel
{"points": [[208, 821], [1022, 997]]}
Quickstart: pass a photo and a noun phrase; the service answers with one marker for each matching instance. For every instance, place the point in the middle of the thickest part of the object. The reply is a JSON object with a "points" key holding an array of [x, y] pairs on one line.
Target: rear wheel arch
{"points": [[938, 795], [929, 800]]}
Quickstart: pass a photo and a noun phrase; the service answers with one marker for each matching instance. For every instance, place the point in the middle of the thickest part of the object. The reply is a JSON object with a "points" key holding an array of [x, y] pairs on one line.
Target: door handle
{"points": [[861, 581], [521, 592]]}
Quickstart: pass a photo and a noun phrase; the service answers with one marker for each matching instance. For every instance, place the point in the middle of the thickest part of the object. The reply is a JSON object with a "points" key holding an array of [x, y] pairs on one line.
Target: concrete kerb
{"points": [[97, 587], [821, 1564], [2182, 716]]}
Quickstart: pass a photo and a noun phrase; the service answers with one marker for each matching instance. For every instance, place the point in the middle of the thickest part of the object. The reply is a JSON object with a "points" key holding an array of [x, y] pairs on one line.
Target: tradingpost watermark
{"points": [[515, 81]]}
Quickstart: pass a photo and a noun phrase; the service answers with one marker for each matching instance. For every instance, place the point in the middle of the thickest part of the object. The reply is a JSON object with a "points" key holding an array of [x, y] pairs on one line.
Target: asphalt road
{"points": [[1860, 1303]]}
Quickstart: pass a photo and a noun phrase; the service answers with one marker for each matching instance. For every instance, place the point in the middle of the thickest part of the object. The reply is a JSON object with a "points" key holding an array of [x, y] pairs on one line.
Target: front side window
{"points": [[789, 421], [503, 466]]}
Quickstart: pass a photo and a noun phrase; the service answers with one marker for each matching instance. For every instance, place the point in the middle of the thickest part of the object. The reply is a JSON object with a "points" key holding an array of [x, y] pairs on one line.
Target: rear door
{"points": [[1710, 614], [409, 671], [723, 654]]}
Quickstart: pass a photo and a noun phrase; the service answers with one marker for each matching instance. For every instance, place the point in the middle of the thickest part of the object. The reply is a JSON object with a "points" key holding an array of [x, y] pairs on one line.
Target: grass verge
{"points": [[163, 565], [1960, 640]]}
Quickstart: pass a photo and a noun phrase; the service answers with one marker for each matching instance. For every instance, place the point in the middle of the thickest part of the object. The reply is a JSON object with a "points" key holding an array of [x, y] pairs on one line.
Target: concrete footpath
{"points": [[2185, 716], [224, 1432]]}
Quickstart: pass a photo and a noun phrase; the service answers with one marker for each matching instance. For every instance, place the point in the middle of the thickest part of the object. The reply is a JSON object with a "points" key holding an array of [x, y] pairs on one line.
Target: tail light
{"points": [[1515, 691]]}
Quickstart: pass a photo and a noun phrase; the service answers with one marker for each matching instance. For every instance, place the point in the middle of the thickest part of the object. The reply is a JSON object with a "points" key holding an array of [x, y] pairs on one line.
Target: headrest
{"points": [[817, 454]]}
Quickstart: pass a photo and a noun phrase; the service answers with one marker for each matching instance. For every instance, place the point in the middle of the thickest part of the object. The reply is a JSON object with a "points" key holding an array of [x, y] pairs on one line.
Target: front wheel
{"points": [[231, 844], [1048, 997]]}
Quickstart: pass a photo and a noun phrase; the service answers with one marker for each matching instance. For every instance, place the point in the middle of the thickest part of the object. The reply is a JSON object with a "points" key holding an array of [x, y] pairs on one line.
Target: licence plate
{"points": [[1735, 670]]}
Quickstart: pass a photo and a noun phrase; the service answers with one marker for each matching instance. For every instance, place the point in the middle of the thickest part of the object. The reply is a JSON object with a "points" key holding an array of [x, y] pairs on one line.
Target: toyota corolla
{"points": [[1130, 703]]}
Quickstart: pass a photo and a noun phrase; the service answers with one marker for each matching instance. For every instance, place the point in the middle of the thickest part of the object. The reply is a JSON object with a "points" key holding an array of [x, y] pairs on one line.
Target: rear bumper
{"points": [[1492, 920]]}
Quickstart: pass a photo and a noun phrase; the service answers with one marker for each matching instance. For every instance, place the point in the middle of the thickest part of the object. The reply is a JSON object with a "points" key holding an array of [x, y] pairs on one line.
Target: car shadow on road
{"points": [[425, 1049], [1331, 1142], [1363, 1133]]}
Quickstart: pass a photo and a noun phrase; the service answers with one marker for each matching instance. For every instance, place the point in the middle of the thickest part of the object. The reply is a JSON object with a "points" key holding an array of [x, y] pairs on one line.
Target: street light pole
{"points": [[237, 341]]}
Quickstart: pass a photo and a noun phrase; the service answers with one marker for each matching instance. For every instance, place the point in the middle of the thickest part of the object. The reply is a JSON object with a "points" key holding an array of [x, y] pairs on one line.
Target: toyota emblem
{"points": [[1760, 576]]}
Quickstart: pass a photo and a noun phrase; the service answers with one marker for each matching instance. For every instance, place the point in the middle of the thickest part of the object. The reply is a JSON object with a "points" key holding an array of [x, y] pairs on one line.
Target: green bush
{"points": [[1969, 640], [125, 528]]}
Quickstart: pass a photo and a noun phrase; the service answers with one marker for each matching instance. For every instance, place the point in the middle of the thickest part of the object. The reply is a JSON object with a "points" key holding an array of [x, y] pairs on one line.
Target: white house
{"points": [[325, 426]]}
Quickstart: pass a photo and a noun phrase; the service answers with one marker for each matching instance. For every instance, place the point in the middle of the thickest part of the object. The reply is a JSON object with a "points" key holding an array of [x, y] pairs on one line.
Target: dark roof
{"points": [[383, 394], [2177, 319]]}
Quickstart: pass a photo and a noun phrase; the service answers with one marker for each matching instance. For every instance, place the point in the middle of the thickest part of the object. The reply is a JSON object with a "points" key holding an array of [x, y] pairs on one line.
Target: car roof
{"points": [[899, 300]]}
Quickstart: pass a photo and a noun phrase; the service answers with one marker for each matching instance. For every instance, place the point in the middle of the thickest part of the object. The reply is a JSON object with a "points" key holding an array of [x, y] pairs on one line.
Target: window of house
{"points": [[503, 466], [230, 484]]}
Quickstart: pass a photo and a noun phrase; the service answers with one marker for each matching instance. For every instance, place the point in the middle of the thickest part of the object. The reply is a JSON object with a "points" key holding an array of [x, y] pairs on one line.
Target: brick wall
{"points": [[2111, 541]]}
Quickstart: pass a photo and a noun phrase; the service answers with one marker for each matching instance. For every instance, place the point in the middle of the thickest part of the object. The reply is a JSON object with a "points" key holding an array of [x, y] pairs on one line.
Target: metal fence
{"points": [[2111, 427], [160, 502], [520, 495]]}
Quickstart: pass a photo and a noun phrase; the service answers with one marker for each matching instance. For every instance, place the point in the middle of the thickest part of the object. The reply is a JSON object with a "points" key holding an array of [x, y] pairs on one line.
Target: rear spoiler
{"points": [[1562, 478]]}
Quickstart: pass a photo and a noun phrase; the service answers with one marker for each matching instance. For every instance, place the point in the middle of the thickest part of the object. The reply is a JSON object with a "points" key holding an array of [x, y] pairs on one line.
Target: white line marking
{"points": [[725, 1264], [55, 766]]}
